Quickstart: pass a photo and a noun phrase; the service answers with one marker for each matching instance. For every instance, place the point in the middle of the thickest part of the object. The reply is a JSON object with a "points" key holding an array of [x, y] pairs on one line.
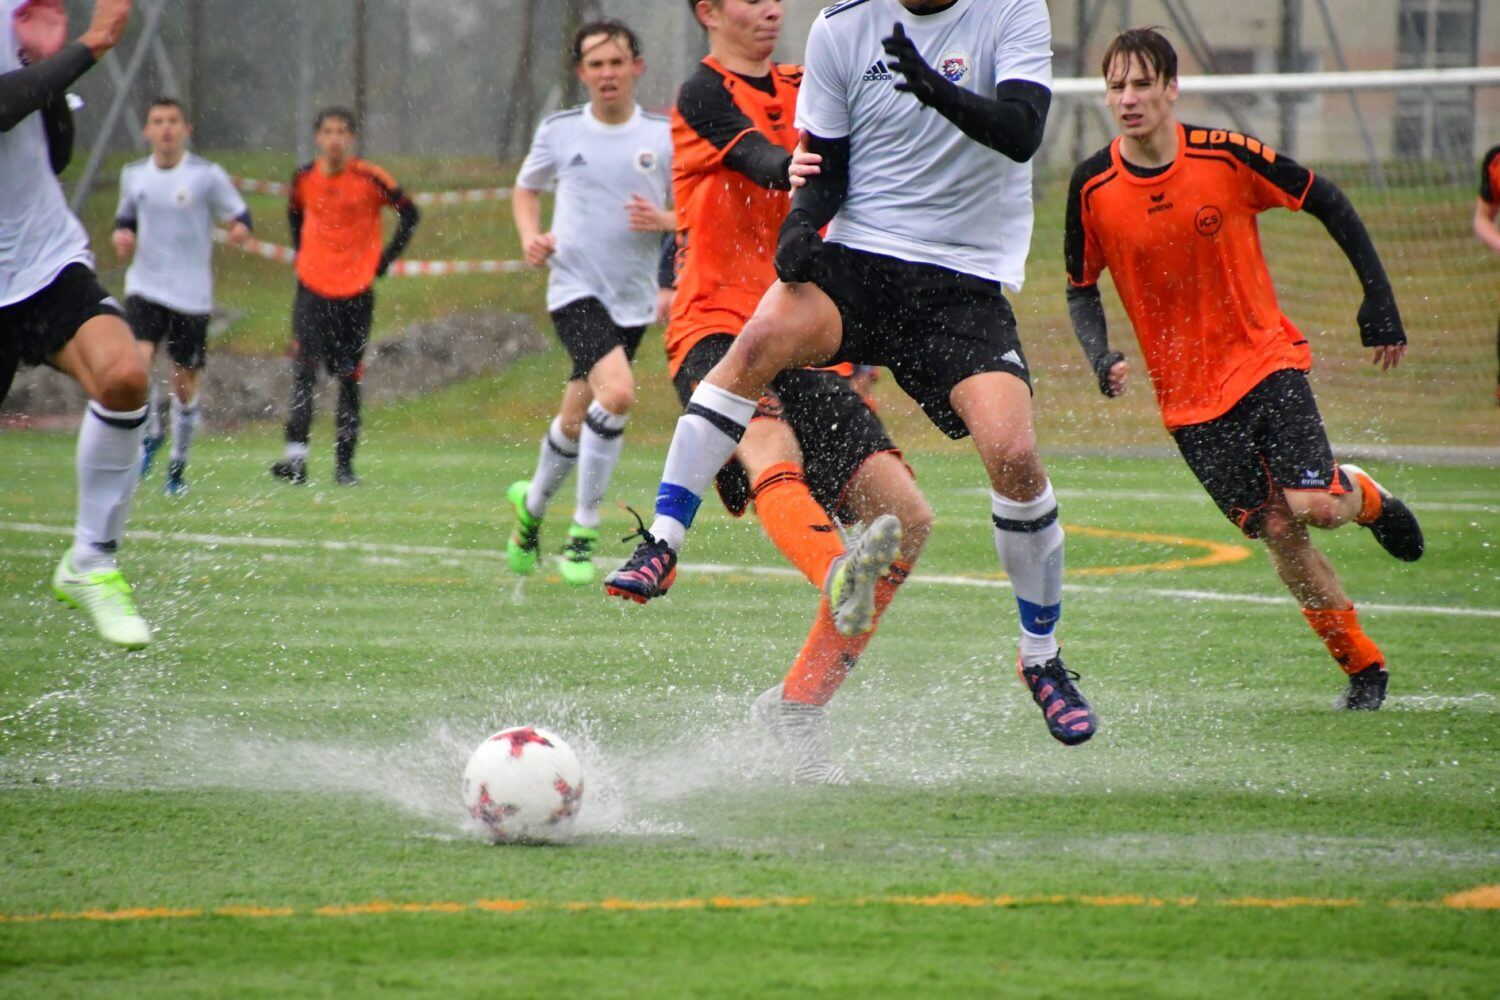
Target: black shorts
{"points": [[931, 326], [1271, 440], [836, 429], [186, 334], [333, 331], [34, 329], [585, 329]]}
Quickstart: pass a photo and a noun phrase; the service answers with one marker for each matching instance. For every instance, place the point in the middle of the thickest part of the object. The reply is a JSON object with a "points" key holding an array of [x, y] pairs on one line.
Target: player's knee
{"points": [[124, 385], [916, 524], [616, 397], [1014, 466], [759, 351], [1321, 510], [1276, 526]]}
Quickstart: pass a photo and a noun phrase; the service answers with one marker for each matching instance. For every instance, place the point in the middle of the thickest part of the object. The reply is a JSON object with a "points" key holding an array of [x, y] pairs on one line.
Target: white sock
{"points": [[153, 412], [599, 448], [1030, 544], [297, 451], [109, 466], [705, 439], [559, 455], [184, 426]]}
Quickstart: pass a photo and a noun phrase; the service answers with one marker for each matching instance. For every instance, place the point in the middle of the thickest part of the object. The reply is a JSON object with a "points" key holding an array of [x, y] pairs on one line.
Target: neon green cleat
{"points": [[851, 586], [106, 597], [526, 541], [578, 558]]}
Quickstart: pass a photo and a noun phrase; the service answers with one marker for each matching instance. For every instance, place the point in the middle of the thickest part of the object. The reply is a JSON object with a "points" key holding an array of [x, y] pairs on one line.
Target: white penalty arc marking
{"points": [[728, 569]]}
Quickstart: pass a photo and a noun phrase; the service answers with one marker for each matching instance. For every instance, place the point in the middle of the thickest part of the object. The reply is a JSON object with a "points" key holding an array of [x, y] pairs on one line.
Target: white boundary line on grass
{"points": [[726, 569]]}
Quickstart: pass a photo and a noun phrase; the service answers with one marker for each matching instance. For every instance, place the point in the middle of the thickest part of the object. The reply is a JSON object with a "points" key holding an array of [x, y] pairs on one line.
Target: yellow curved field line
{"points": [[1481, 898], [1216, 553]]}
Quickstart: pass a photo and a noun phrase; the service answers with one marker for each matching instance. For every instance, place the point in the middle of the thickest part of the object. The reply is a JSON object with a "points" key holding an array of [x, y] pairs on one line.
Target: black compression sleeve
{"points": [[245, 219], [666, 262], [818, 201], [32, 88], [763, 162], [57, 120], [1330, 206], [1012, 124], [406, 225], [1086, 310]]}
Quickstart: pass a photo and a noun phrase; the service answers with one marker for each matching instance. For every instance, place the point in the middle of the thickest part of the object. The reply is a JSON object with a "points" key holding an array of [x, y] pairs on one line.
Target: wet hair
{"points": [[1148, 45], [610, 28], [165, 102], [693, 10], [343, 114]]}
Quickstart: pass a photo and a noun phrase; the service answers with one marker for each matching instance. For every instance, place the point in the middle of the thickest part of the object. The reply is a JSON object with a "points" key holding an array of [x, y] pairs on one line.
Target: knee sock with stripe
{"points": [[796, 523], [559, 453], [599, 448], [705, 438], [1029, 542]]}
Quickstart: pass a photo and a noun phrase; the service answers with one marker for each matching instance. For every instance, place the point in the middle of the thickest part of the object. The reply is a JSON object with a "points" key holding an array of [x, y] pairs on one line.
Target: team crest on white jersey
{"points": [[955, 65], [182, 197], [645, 161]]}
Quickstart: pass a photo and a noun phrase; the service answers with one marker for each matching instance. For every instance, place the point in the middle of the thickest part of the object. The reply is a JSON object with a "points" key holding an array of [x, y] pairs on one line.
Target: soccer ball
{"points": [[524, 785]]}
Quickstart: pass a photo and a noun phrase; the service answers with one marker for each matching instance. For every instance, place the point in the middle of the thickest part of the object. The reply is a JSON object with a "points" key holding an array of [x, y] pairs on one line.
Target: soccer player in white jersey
{"points": [[52, 308], [169, 203], [611, 166], [925, 114]]}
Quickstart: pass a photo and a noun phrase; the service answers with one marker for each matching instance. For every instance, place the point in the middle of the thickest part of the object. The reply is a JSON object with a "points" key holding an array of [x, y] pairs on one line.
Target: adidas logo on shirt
{"points": [[578, 161], [877, 71], [1012, 357]]}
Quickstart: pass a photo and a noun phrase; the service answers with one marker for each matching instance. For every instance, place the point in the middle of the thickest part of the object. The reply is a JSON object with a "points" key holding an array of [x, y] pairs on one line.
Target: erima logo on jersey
{"points": [[878, 71], [1312, 478]]}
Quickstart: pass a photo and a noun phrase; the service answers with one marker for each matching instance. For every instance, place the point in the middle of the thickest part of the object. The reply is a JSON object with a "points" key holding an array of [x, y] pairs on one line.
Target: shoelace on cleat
{"points": [[648, 549], [113, 587], [579, 549]]}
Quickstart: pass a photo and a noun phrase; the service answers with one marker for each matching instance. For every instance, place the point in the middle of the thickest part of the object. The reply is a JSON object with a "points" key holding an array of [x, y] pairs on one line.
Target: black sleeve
{"points": [[406, 224], [817, 202], [1379, 319], [32, 88], [57, 120], [710, 111], [1074, 237], [245, 219], [666, 262], [1012, 124], [1487, 192], [294, 212], [1086, 310]]}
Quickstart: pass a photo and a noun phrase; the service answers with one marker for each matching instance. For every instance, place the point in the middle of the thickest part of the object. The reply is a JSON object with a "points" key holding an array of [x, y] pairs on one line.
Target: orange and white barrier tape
{"points": [[400, 269], [473, 196]]}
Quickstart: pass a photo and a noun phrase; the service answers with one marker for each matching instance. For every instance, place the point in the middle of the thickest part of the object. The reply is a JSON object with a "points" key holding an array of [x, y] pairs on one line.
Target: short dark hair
{"points": [[1148, 45], [610, 28], [164, 101], [340, 112], [693, 10]]}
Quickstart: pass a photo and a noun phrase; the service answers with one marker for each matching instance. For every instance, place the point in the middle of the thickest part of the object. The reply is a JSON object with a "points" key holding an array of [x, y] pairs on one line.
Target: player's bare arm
{"points": [[1484, 224], [536, 246]]}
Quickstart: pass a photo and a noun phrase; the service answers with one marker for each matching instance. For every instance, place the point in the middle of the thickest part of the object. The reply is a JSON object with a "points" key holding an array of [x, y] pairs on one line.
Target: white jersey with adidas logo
{"points": [[919, 189], [595, 167], [174, 211], [38, 235]]}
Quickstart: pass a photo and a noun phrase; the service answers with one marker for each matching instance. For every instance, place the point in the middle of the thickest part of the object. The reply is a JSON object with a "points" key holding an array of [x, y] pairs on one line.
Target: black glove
{"points": [[1379, 320], [918, 79], [798, 249], [1102, 364]]}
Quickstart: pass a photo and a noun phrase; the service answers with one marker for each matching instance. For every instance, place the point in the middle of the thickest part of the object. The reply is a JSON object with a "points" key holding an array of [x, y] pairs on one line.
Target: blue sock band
{"points": [[1039, 620], [678, 503]]}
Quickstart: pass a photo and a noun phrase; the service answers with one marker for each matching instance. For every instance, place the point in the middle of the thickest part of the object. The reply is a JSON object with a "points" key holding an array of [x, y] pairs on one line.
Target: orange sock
{"points": [[1340, 632], [1370, 500], [795, 522], [827, 657]]}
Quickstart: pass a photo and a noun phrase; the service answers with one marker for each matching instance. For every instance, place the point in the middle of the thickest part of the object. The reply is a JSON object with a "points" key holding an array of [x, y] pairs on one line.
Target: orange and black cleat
{"points": [[649, 572]]}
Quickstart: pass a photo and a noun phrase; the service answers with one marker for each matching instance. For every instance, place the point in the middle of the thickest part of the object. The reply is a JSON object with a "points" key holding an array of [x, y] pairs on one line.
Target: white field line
{"points": [[1198, 496], [727, 569]]}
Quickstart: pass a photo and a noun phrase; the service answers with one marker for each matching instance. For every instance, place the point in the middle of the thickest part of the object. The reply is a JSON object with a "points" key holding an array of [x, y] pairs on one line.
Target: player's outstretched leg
{"points": [[1390, 520]]}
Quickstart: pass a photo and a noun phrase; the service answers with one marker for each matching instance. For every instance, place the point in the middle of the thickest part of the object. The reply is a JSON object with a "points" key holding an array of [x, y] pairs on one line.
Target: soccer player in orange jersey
{"points": [[813, 446], [334, 210], [1170, 210], [1485, 211]]}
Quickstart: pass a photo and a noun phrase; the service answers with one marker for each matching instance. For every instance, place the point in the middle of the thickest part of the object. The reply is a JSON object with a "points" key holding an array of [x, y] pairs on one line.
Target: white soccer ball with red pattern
{"points": [[524, 785]]}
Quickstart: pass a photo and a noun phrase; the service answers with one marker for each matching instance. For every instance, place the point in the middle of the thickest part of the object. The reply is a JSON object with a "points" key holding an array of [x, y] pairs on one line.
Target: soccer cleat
{"points": [[292, 470], [1070, 720], [526, 541], [577, 564], [175, 486], [1366, 690], [851, 585], [344, 476], [649, 572], [802, 733], [1396, 528], [149, 446], [105, 595]]}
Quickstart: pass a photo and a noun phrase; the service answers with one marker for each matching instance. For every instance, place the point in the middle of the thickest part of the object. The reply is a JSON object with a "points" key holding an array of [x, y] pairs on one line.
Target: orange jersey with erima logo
{"points": [[1183, 248], [726, 224], [339, 244]]}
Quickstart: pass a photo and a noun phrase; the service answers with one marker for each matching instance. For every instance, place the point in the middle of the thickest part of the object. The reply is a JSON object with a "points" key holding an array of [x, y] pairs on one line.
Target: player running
{"points": [[908, 103], [1170, 210], [1485, 211], [52, 307], [169, 203], [610, 163], [334, 209], [814, 446]]}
